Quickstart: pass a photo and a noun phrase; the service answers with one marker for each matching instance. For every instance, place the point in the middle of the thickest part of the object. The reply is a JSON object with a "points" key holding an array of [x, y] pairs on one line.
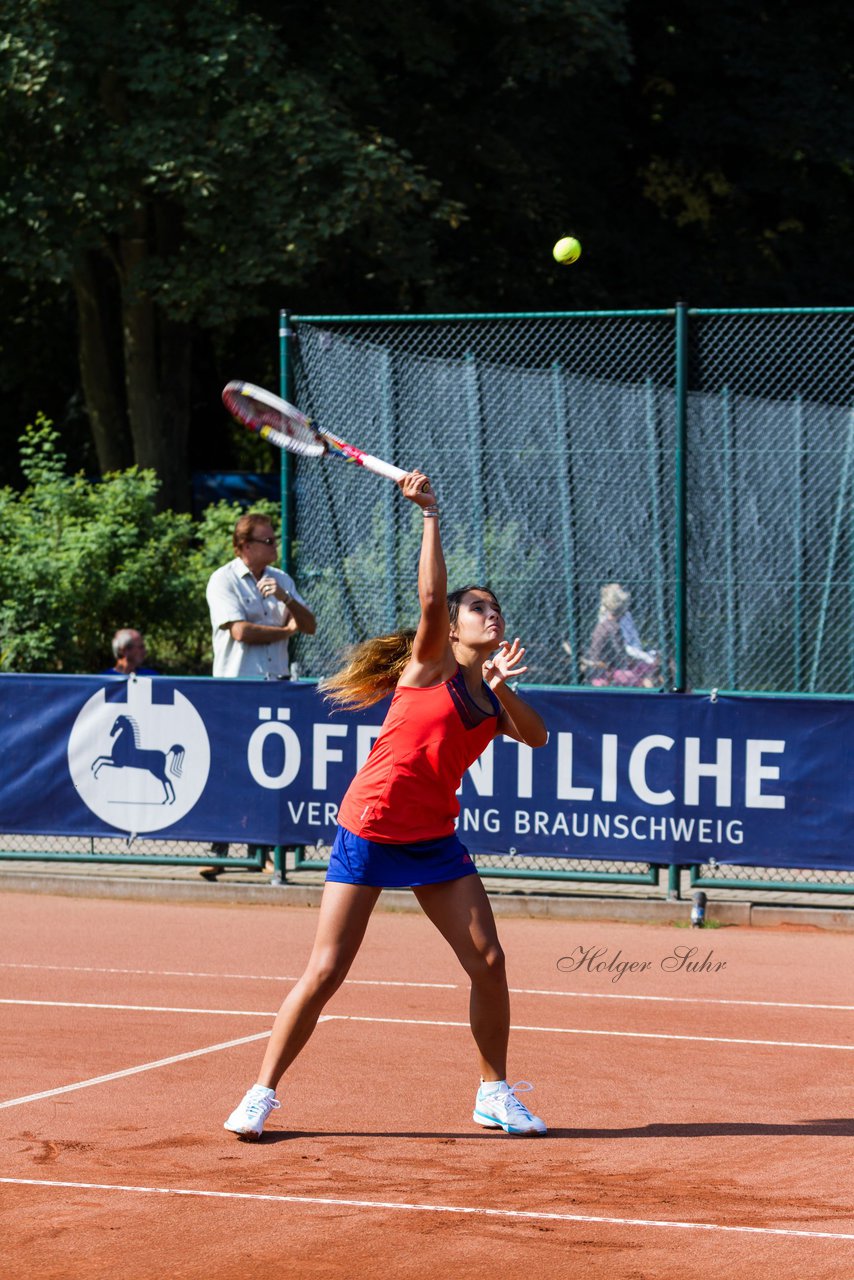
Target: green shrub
{"points": [[79, 559]]}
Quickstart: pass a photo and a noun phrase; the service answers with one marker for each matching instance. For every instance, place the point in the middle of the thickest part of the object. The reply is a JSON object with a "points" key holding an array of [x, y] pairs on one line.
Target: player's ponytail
{"points": [[371, 672]]}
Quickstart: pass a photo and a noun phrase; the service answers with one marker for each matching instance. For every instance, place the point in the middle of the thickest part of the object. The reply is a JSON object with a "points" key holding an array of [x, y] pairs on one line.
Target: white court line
{"points": [[415, 1207], [241, 977], [620, 995], [141, 1008], [439, 986], [587, 1031], [132, 1071], [441, 1022]]}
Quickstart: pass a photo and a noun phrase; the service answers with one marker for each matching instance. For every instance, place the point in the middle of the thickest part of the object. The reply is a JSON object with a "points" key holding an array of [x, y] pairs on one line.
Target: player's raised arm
{"points": [[431, 651]]}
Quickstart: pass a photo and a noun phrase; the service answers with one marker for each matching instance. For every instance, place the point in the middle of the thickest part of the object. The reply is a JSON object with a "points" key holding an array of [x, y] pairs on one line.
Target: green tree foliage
{"points": [[699, 150], [165, 161], [80, 560], [515, 108], [172, 171], [743, 127]]}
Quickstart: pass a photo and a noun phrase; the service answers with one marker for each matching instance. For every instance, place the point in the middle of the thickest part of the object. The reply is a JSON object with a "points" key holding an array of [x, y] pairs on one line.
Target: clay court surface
{"points": [[700, 1122]]}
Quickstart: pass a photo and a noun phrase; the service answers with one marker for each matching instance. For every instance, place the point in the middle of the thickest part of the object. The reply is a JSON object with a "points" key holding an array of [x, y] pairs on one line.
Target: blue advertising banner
{"points": [[637, 777]]}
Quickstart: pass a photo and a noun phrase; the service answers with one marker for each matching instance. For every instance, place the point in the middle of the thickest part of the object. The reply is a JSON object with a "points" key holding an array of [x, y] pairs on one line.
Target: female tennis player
{"points": [[396, 821]]}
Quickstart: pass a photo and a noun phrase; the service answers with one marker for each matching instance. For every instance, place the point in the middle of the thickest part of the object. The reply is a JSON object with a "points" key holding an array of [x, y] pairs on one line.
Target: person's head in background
{"points": [[613, 599], [128, 650], [255, 542]]}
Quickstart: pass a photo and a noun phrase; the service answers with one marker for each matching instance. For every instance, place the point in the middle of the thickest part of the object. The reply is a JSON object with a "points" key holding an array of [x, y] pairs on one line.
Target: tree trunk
{"points": [[175, 344], [175, 348], [98, 366], [156, 380]]}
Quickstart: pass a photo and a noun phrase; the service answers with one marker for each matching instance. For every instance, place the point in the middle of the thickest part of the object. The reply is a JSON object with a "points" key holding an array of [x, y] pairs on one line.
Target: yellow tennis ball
{"points": [[567, 250]]}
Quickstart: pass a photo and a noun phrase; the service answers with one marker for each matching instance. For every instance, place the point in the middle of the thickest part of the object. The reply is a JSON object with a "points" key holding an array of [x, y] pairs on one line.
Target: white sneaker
{"points": [[247, 1119], [503, 1110]]}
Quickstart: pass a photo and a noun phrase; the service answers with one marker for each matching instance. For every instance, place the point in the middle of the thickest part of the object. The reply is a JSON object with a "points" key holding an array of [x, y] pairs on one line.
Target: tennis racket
{"points": [[285, 426]]}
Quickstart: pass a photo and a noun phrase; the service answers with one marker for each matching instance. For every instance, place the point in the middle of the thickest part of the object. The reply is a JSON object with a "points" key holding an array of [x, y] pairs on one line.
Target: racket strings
{"points": [[269, 422], [294, 439]]}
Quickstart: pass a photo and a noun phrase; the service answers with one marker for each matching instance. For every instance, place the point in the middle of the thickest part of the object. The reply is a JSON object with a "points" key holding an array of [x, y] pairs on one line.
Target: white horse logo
{"points": [[139, 765]]}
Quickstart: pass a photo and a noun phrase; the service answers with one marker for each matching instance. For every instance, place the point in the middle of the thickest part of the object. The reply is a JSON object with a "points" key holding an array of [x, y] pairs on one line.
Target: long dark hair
{"points": [[372, 670]]}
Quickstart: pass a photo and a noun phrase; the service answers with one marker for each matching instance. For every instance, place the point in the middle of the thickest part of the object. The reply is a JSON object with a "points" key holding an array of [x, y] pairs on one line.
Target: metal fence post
{"points": [[565, 493], [391, 505], [728, 461], [850, 598], [286, 464], [673, 881], [475, 423], [827, 586], [679, 548], [286, 515], [658, 529], [798, 542]]}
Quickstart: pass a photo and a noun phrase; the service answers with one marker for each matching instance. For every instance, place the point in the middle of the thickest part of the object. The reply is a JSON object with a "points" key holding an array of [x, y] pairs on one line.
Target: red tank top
{"points": [[405, 790]]}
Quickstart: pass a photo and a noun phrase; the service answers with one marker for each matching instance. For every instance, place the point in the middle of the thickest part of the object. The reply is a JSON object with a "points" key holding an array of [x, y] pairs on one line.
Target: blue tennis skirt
{"points": [[354, 860]]}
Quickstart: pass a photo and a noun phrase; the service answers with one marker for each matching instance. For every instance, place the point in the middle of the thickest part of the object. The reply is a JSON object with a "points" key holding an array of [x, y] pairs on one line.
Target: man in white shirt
{"points": [[254, 607]]}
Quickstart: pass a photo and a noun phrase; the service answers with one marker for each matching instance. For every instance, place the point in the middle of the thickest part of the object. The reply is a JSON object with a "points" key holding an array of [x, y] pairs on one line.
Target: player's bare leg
{"points": [[462, 913], [345, 910]]}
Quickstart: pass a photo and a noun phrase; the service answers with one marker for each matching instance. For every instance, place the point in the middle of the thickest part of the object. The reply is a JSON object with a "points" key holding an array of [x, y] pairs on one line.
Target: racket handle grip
{"points": [[386, 469], [381, 468]]}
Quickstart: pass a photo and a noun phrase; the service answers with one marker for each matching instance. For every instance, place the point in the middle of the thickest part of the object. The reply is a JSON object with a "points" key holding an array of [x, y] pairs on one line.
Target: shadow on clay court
{"points": [[487, 1136], [830, 1128]]}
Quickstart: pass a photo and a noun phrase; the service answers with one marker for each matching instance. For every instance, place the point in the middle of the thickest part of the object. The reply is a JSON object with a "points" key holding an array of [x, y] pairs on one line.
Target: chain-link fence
{"points": [[701, 459], [771, 538], [716, 875], [135, 851]]}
